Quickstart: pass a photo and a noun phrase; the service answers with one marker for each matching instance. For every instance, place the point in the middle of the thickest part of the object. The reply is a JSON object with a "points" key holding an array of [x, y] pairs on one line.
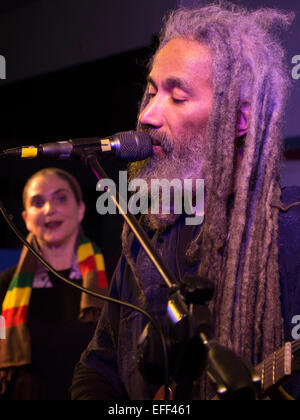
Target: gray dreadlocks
{"points": [[239, 252]]}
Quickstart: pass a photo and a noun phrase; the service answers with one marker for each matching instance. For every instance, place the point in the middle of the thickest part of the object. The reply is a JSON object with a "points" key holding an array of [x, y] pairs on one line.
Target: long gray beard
{"points": [[184, 160]]}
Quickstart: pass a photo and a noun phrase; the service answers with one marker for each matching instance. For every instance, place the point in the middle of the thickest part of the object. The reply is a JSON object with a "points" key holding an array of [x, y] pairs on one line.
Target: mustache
{"points": [[159, 139]]}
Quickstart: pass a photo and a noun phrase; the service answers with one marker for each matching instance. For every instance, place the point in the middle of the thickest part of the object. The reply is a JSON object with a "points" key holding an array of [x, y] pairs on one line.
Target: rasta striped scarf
{"points": [[15, 349]]}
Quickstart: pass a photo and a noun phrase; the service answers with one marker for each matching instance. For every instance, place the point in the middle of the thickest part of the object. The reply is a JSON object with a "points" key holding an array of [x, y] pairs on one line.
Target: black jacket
{"points": [[108, 367]]}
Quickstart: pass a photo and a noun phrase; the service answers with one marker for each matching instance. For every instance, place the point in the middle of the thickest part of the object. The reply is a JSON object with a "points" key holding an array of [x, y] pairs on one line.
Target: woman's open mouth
{"points": [[53, 225]]}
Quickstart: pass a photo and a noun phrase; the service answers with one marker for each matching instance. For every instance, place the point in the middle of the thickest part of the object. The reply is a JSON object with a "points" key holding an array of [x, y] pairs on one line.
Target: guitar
{"points": [[274, 371], [278, 368]]}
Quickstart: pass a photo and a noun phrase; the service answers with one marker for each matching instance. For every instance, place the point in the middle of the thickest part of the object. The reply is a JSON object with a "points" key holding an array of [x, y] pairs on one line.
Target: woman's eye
{"points": [[61, 198], [38, 202]]}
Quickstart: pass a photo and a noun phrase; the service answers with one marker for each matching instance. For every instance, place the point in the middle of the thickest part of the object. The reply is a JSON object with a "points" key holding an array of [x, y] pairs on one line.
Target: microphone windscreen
{"points": [[134, 145]]}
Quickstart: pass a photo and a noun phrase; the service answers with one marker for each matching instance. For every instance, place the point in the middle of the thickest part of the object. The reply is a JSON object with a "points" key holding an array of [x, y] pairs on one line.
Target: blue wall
{"points": [[8, 258]]}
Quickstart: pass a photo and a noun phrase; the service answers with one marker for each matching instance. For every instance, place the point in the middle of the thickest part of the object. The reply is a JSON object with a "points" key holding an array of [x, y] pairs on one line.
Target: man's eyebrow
{"points": [[173, 82], [176, 82]]}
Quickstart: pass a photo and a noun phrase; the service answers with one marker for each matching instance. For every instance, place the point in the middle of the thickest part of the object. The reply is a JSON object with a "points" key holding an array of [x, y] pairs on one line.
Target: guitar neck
{"points": [[276, 368]]}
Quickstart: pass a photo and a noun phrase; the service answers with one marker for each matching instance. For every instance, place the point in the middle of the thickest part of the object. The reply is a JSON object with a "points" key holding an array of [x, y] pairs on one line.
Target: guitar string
{"points": [[271, 367]]}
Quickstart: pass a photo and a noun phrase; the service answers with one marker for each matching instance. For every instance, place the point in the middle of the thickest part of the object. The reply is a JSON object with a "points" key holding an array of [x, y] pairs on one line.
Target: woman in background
{"points": [[49, 323]]}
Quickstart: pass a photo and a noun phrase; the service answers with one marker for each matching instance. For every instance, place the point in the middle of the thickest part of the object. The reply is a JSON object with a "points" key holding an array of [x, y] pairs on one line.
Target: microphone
{"points": [[128, 145]]}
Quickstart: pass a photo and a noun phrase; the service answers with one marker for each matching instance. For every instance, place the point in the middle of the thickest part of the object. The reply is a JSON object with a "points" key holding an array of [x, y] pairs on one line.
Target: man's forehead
{"points": [[184, 43], [181, 58]]}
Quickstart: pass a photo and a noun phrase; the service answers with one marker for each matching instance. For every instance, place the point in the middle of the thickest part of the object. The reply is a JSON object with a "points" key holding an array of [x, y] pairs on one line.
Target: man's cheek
{"points": [[194, 127]]}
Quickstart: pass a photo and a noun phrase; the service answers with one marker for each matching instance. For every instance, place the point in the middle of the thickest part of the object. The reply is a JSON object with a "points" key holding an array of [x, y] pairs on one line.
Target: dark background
{"points": [[55, 92], [77, 69], [95, 99]]}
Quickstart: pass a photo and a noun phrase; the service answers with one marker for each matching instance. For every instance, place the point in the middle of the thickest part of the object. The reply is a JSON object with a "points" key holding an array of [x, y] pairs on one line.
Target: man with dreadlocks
{"points": [[213, 108]]}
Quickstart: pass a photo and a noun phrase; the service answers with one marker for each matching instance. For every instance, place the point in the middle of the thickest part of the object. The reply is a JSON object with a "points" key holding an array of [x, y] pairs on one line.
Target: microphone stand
{"points": [[177, 308], [190, 336]]}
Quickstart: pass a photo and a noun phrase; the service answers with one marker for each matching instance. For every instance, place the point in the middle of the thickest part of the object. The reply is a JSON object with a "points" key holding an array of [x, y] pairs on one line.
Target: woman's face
{"points": [[51, 212]]}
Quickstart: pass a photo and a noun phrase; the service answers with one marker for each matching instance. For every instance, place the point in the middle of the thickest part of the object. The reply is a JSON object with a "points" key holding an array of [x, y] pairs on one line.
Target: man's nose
{"points": [[152, 114]]}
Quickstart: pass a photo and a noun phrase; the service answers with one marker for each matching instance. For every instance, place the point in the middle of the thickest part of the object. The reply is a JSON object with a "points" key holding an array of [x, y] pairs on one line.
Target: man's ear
{"points": [[243, 119]]}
